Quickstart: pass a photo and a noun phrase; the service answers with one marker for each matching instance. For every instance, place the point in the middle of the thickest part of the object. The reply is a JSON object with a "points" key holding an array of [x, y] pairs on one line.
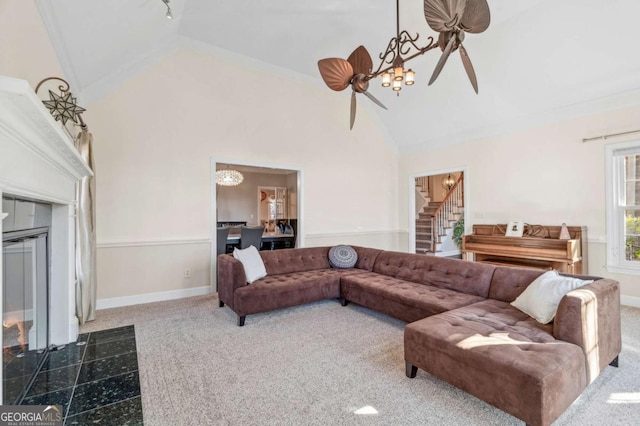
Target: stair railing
{"points": [[443, 215], [423, 183]]}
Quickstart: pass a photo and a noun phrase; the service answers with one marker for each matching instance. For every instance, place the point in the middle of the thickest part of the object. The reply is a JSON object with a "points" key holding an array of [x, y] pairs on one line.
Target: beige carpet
{"points": [[321, 364]]}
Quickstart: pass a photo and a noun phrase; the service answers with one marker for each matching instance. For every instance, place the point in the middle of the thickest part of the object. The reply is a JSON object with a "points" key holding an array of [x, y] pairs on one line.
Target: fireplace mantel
{"points": [[30, 140], [39, 162]]}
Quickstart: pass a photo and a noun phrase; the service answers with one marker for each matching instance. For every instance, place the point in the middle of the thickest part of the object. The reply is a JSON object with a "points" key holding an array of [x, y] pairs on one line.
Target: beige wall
{"points": [[545, 175], [156, 136], [26, 51]]}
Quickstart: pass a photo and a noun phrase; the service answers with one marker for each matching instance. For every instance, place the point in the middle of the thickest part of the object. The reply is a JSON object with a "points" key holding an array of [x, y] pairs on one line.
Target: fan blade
{"points": [[336, 73], [476, 17], [443, 59], [466, 61], [377, 102], [361, 61], [443, 15], [353, 109]]}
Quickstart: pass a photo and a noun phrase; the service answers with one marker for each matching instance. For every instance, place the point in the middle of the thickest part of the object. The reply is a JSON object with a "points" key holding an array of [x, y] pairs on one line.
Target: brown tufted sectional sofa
{"points": [[461, 328]]}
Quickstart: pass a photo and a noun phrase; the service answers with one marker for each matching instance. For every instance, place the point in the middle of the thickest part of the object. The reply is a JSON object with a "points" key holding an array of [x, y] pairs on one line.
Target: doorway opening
{"points": [[269, 196], [437, 212]]}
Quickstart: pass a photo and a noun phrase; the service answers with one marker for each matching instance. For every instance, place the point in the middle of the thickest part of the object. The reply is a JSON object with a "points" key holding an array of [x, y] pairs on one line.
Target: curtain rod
{"points": [[609, 136]]}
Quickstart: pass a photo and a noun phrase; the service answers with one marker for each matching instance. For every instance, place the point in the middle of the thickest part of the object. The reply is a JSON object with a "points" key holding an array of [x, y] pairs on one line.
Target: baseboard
{"points": [[630, 301], [138, 299]]}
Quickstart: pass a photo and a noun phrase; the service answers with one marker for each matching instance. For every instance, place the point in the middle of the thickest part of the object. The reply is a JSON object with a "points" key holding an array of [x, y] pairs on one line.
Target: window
{"points": [[623, 207]]}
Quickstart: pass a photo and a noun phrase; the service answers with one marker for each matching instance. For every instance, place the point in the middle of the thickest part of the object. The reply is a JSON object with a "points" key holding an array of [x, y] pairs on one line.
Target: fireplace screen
{"points": [[25, 276]]}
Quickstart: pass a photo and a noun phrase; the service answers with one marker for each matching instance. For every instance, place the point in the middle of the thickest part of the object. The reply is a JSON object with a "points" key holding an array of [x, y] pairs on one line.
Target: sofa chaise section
{"points": [[501, 355]]}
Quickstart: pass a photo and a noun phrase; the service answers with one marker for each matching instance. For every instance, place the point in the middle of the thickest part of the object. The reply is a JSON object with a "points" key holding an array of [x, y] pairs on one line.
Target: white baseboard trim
{"points": [[161, 296], [630, 301]]}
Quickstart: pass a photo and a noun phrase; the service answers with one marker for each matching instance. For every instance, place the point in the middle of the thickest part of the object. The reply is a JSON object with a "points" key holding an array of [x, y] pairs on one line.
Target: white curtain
{"points": [[86, 235]]}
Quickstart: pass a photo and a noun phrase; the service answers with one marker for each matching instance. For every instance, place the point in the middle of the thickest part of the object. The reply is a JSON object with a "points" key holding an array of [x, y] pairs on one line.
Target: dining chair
{"points": [[294, 227], [251, 236], [221, 245]]}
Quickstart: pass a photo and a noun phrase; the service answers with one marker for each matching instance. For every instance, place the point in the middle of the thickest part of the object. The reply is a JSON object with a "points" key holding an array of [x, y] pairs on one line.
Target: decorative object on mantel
{"points": [[450, 18], [63, 107], [228, 177], [564, 233]]}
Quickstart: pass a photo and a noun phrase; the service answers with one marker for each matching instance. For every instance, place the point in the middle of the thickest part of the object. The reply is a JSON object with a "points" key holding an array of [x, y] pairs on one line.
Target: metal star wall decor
{"points": [[63, 107]]}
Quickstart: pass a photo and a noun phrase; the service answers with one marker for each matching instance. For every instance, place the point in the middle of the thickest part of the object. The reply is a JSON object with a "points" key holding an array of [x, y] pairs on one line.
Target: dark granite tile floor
{"points": [[95, 379]]}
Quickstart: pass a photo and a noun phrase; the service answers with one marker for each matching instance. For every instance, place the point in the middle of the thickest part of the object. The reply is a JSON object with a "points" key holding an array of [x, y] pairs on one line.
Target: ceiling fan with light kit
{"points": [[450, 18]]}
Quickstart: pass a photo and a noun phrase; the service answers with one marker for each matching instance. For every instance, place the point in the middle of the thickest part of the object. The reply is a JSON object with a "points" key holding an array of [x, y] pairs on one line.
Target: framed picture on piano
{"points": [[515, 228]]}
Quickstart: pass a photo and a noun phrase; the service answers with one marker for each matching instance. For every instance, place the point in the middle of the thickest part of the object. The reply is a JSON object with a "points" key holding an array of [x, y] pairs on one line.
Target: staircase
{"points": [[434, 224], [425, 240], [423, 225]]}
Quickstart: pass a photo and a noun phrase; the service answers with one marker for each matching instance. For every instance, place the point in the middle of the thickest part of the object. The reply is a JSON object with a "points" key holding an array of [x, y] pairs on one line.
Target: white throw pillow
{"points": [[251, 262], [540, 300]]}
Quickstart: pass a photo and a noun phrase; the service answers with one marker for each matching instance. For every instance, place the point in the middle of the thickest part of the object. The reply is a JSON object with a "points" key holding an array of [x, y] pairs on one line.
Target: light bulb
{"points": [[386, 79], [397, 85], [169, 15], [397, 73], [409, 77]]}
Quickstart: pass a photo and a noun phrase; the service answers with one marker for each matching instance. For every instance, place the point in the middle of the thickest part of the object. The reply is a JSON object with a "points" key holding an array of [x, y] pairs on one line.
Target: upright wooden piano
{"points": [[539, 247]]}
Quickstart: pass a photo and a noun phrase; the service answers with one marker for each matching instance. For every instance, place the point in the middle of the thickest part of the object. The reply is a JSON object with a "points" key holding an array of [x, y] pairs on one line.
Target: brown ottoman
{"points": [[500, 355]]}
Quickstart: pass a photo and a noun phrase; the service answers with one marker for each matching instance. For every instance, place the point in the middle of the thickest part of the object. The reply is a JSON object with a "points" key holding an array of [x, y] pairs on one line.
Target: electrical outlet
{"points": [[187, 273]]}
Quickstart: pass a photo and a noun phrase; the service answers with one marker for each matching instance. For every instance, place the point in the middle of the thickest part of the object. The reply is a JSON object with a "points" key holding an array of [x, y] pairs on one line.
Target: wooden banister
{"points": [[442, 216]]}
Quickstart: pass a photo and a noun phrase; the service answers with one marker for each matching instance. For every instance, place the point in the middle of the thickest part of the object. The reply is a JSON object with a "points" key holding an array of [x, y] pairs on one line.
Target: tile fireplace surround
{"points": [[38, 162]]}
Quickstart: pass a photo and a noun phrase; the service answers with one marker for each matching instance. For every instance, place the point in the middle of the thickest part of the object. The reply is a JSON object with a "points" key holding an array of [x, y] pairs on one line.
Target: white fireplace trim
{"points": [[39, 162], [25, 119]]}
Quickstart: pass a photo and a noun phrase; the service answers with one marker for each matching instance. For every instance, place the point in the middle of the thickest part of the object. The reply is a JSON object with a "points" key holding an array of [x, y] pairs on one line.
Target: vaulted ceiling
{"points": [[539, 61]]}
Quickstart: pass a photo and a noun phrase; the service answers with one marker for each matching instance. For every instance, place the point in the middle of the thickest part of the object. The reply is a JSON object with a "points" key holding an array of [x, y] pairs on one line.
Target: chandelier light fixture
{"points": [[229, 177], [169, 15], [448, 182], [450, 18]]}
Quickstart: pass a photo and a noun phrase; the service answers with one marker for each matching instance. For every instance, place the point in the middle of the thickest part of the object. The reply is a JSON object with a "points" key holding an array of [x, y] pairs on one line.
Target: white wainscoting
{"points": [[134, 272], [630, 301], [144, 271], [116, 244]]}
